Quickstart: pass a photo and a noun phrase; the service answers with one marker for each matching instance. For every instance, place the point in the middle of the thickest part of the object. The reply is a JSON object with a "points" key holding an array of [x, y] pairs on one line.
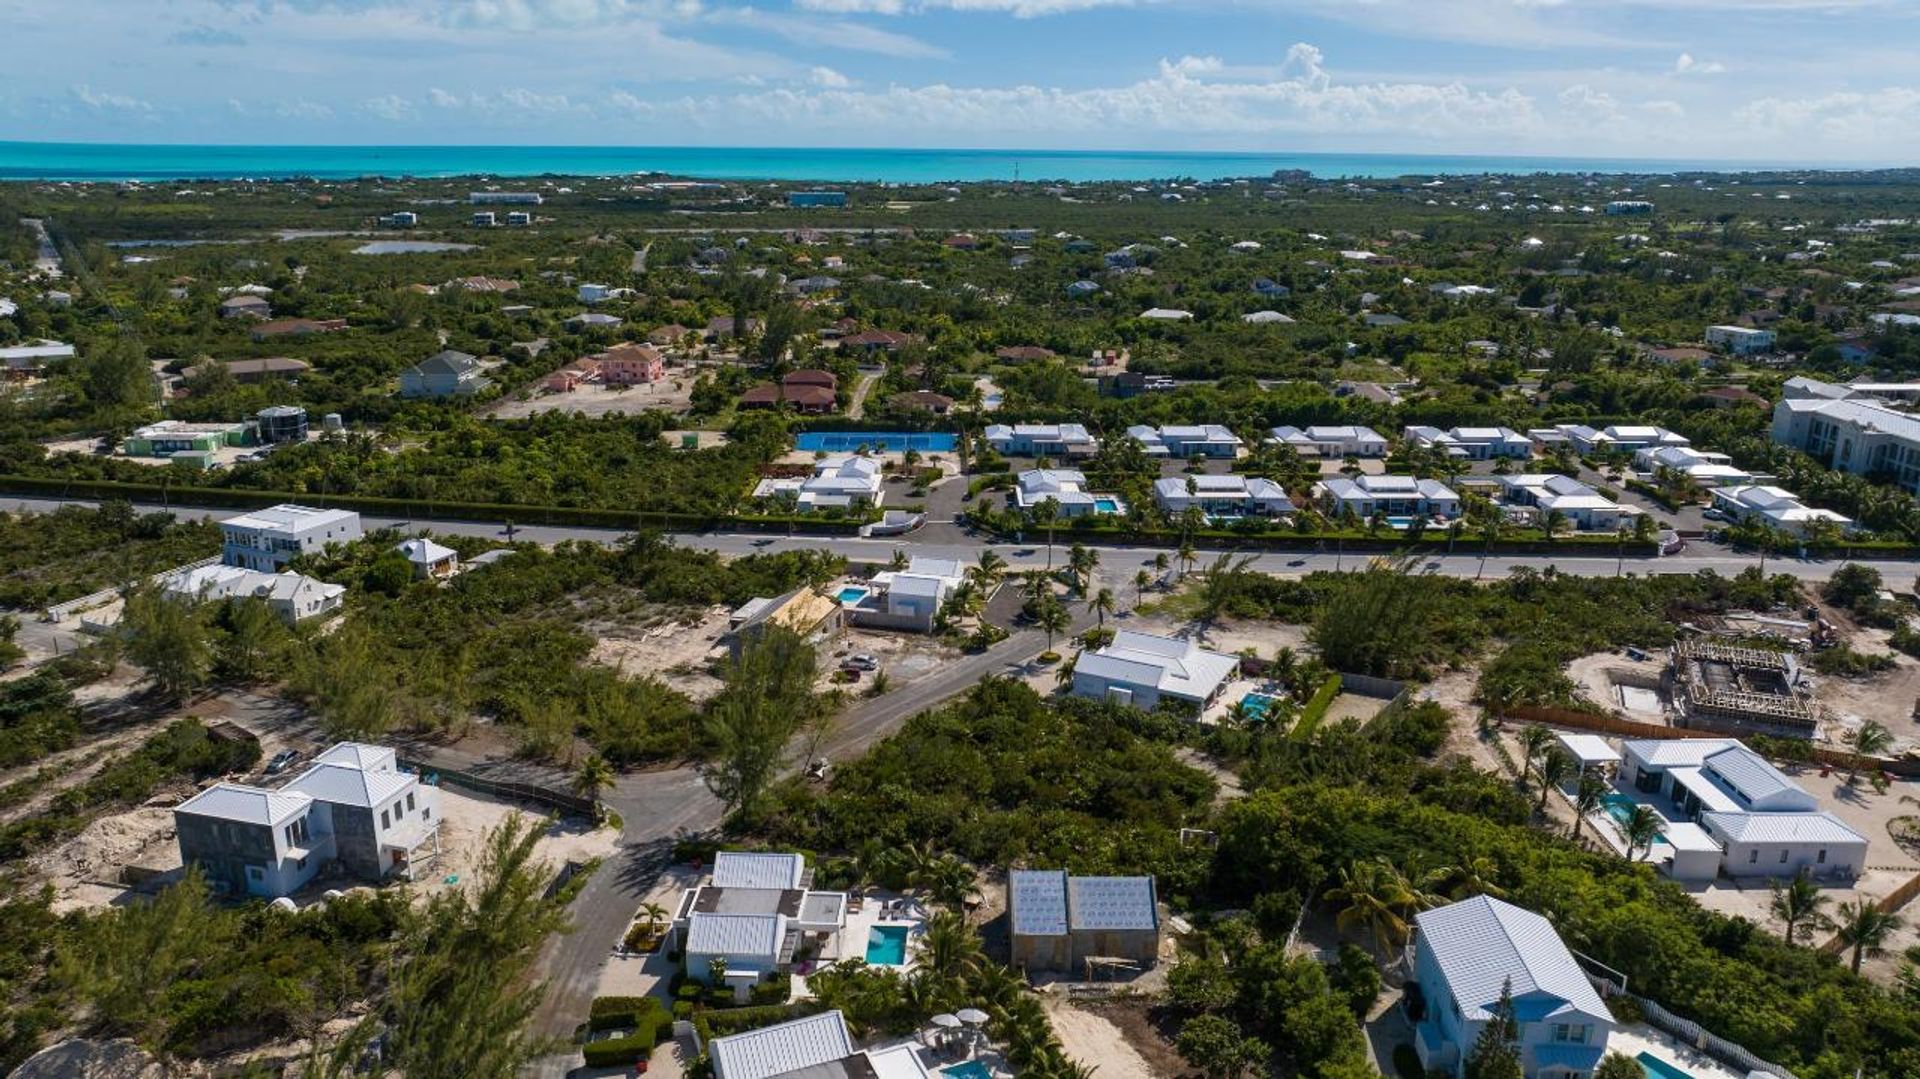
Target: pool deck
{"points": [[851, 941], [1641, 1038]]}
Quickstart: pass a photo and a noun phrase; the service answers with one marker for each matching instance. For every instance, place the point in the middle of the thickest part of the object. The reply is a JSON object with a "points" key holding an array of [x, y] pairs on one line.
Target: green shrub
{"points": [[640, 1015], [1316, 707]]}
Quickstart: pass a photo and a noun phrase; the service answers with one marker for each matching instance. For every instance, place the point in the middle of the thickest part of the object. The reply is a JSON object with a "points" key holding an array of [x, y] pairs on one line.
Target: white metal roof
{"points": [[758, 869], [360, 755], [289, 517], [1175, 667], [757, 935], [1688, 836], [423, 551], [781, 1048], [1037, 902], [1673, 752], [1588, 749], [1752, 775], [1819, 827], [247, 805], [1111, 903], [1482, 943], [343, 784]]}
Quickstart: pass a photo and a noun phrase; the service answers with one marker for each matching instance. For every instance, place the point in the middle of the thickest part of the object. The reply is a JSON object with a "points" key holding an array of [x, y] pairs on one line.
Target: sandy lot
{"points": [[672, 395], [679, 652], [1594, 675], [85, 870], [1888, 697], [466, 818], [1096, 1040]]}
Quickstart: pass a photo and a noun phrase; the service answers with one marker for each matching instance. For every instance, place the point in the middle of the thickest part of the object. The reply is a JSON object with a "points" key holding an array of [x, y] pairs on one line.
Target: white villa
{"points": [[1761, 823], [1740, 340], [1202, 440], [270, 538], [1041, 440], [1472, 443], [1846, 430], [1776, 507], [1067, 487], [1344, 440], [1618, 438], [1704, 468], [814, 1047], [1142, 669], [843, 481], [1583, 507], [1465, 954], [1395, 495], [292, 597], [1222, 496], [911, 598], [753, 914]]}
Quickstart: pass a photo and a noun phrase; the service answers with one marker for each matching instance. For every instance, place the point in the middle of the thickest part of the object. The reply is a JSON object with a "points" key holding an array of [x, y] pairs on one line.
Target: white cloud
{"points": [[1882, 121], [391, 107], [829, 78], [830, 34], [1688, 65], [1019, 9], [104, 101]]}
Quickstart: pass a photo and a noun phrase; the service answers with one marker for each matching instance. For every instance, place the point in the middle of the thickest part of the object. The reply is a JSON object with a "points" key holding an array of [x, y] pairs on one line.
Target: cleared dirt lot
{"points": [[671, 395]]}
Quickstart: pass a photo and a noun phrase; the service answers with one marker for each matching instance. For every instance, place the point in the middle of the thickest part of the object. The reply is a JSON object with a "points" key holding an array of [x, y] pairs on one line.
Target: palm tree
{"points": [[655, 914], [1464, 881], [899, 561], [1160, 563], [1641, 829], [1045, 515], [1555, 766], [990, 568], [1797, 904], [1588, 797], [1080, 563], [1534, 740], [594, 775], [950, 948], [1556, 523], [1187, 556], [1864, 928], [1140, 582], [1872, 739], [1102, 604], [1063, 677], [1491, 532], [1053, 618], [1374, 897]]}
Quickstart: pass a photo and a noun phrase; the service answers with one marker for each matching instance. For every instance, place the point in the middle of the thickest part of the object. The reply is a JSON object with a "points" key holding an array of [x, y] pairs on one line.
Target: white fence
{"points": [[1732, 1054], [60, 612]]}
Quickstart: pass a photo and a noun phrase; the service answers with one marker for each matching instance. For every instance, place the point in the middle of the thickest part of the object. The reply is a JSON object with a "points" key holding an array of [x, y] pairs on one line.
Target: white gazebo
{"points": [[1589, 751]]}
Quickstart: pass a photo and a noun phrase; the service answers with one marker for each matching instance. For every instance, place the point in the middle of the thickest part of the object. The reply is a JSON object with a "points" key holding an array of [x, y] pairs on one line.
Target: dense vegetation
{"points": [[49, 557]]}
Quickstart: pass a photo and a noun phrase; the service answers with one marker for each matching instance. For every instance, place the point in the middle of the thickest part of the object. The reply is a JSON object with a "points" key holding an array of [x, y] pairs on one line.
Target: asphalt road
{"points": [[941, 540]]}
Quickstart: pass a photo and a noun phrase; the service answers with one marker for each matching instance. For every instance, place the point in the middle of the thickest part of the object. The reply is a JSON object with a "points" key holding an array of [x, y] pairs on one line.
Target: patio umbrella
{"points": [[945, 1021], [971, 1015]]}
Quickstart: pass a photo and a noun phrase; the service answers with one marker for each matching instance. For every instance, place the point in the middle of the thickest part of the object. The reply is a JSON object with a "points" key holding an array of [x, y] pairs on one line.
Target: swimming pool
{"points": [[852, 594], [1106, 505], [1400, 524], [971, 1069], [887, 945], [1256, 705], [1620, 808], [894, 441], [1660, 1069]]}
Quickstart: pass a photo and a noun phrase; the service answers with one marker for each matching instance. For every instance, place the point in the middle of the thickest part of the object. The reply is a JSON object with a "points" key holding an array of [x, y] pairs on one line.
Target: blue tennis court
{"points": [[877, 441]]}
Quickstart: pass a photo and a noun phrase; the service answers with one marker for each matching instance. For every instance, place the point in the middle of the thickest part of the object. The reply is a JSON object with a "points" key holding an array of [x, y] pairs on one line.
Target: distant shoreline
{"points": [[117, 162]]}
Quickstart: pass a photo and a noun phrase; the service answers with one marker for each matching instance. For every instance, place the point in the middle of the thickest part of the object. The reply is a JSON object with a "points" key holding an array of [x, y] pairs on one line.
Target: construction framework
{"points": [[1739, 690]]}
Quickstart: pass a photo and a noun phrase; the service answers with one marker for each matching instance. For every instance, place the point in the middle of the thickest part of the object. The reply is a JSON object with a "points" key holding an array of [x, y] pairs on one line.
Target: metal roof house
{"points": [[1143, 669], [267, 539], [814, 1047], [753, 915], [1059, 922], [429, 559], [1041, 440], [291, 597], [908, 599], [1394, 495], [447, 373], [1467, 953], [1222, 496], [1186, 441], [351, 811], [1337, 440], [1068, 489], [1472, 443]]}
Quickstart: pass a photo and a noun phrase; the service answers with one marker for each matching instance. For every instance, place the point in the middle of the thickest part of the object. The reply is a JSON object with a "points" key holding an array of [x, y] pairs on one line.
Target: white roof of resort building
{"points": [[753, 869], [289, 516], [423, 551], [245, 805], [1750, 774], [1483, 944], [1318, 434], [1177, 668], [344, 784], [1687, 836], [735, 934], [781, 1049], [359, 755], [1587, 750], [1673, 752], [1820, 827]]}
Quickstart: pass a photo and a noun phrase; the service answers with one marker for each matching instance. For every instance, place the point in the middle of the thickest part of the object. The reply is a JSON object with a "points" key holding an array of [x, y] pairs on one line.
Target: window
{"points": [[409, 801], [1570, 1033], [255, 873], [1783, 857], [383, 819], [1753, 856], [1822, 858]]}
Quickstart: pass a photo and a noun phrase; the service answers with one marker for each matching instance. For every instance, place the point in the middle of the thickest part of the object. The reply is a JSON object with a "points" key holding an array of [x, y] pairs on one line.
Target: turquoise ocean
{"points": [[115, 161]]}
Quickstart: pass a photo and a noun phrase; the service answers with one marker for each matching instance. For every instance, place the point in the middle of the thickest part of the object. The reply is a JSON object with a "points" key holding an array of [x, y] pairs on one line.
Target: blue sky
{"points": [[1761, 80]]}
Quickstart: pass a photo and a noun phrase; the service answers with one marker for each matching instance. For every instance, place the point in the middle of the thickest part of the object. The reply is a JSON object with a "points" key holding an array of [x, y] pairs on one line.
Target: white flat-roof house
{"points": [[291, 597], [1617, 438], [911, 598], [1185, 441], [1222, 496], [1858, 435], [753, 914], [1583, 507], [1472, 443], [813, 1047], [353, 810], [1143, 669], [1337, 440], [1776, 507], [1704, 468], [1740, 340], [1393, 495], [842, 482], [1041, 440], [1466, 954], [1763, 823], [1068, 489], [269, 538]]}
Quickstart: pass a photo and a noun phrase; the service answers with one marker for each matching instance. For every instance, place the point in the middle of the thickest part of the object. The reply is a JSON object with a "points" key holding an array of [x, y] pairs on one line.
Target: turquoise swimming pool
{"points": [[887, 945], [1660, 1069], [1257, 704], [892, 441], [852, 594], [971, 1069], [1106, 505], [1620, 808]]}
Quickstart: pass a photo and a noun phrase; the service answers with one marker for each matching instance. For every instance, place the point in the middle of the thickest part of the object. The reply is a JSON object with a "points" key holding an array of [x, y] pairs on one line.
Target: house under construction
{"points": [[1739, 690]]}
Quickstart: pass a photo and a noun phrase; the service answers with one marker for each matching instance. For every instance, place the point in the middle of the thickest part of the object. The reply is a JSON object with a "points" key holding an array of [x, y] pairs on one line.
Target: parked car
{"points": [[282, 761], [861, 662]]}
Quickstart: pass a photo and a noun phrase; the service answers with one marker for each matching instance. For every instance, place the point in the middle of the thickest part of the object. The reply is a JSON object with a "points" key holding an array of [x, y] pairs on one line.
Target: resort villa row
{"points": [[845, 481], [1186, 442], [1471, 443], [1702, 468], [1041, 440], [1395, 496], [1466, 954], [1348, 440], [1775, 507], [353, 812], [1144, 669], [1222, 496], [751, 917], [1618, 438], [1067, 488], [1583, 508], [1728, 810]]}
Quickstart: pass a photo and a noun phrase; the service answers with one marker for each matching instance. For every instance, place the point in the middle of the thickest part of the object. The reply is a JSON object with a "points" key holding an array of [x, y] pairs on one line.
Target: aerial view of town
{"points": [[735, 619]]}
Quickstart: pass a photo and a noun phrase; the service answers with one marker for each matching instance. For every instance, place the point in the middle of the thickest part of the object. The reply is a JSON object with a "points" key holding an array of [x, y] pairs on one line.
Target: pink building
{"points": [[631, 364]]}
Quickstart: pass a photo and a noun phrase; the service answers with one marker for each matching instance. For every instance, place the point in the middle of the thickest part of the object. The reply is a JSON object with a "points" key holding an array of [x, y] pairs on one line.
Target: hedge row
{"points": [[717, 1024], [642, 1014], [1316, 709]]}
